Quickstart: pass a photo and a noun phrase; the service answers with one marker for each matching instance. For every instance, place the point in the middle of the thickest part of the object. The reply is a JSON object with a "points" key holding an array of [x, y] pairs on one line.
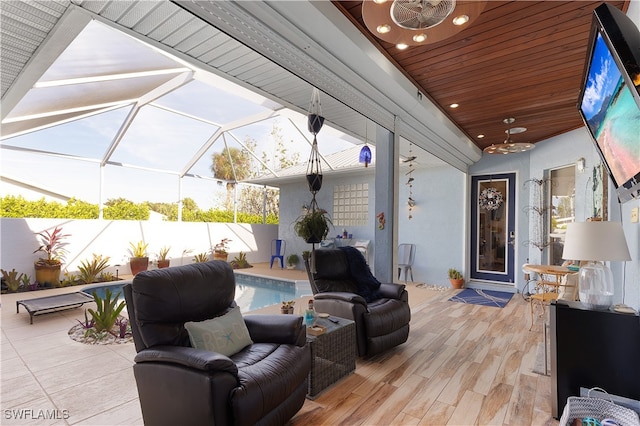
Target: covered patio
{"points": [[480, 370]]}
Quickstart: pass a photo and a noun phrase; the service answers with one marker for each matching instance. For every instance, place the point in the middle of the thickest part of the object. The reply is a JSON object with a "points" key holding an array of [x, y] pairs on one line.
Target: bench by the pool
{"points": [[49, 304], [60, 302]]}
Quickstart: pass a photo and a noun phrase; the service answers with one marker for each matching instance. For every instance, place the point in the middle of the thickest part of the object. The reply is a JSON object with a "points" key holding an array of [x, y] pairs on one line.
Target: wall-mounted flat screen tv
{"points": [[609, 101]]}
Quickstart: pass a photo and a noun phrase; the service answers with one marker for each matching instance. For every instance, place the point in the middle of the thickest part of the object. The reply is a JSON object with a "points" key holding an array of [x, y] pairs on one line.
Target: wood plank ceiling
{"points": [[520, 59]]}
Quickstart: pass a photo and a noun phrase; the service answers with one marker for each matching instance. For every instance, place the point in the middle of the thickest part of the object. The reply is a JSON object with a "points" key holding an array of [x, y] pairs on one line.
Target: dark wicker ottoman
{"points": [[333, 354]]}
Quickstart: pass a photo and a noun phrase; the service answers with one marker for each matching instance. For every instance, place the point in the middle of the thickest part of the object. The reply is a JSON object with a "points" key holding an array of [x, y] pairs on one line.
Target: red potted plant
{"points": [[48, 268]]}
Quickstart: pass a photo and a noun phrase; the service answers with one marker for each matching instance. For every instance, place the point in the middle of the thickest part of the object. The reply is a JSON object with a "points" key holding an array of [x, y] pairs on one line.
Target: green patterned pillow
{"points": [[227, 334]]}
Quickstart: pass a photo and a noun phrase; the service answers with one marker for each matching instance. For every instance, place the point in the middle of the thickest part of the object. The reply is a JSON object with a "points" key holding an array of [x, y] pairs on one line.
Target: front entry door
{"points": [[493, 227]]}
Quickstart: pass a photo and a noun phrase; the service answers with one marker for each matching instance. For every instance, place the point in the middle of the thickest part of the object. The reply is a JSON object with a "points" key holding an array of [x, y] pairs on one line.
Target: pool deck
{"points": [[44, 373]]}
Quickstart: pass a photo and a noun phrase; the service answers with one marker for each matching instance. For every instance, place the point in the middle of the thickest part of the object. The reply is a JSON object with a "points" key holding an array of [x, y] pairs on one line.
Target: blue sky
{"points": [[603, 78]]}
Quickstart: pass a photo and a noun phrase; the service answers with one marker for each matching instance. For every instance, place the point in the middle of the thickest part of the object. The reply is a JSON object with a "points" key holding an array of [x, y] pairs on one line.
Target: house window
{"points": [[350, 204]]}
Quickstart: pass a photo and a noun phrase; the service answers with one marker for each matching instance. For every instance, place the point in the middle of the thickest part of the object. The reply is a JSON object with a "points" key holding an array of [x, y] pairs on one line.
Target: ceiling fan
{"points": [[421, 14], [418, 22]]}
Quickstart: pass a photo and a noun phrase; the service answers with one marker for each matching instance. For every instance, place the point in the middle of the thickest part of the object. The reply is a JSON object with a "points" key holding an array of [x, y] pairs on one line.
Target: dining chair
{"points": [[552, 286], [406, 256], [277, 252], [363, 247]]}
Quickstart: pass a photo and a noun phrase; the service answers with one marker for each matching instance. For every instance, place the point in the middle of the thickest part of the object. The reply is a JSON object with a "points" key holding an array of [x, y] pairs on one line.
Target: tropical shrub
{"points": [[91, 269], [106, 312]]}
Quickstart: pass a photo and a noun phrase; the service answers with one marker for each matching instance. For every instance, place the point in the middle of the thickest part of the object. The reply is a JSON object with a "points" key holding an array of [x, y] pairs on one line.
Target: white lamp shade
{"points": [[599, 241]]}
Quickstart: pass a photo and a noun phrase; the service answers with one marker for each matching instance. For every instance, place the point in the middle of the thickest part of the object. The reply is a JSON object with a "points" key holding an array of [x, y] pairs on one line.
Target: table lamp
{"points": [[595, 242]]}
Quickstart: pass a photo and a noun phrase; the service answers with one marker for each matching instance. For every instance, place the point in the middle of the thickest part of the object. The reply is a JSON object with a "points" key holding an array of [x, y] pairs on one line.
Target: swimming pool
{"points": [[255, 292], [252, 291]]}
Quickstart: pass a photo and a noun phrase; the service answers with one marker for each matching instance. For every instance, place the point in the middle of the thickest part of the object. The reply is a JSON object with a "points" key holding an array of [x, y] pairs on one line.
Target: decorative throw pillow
{"points": [[226, 334]]}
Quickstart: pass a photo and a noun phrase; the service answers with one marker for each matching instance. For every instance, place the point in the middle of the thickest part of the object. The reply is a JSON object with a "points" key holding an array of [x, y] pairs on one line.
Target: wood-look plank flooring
{"points": [[462, 365]]}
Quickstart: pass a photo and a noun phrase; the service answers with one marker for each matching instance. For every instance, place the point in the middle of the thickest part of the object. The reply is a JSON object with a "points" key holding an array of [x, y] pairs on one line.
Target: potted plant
{"points": [[48, 268], [292, 261], [221, 250], [163, 261], [90, 270], [313, 226], [139, 261], [240, 261], [456, 279], [287, 307], [201, 258]]}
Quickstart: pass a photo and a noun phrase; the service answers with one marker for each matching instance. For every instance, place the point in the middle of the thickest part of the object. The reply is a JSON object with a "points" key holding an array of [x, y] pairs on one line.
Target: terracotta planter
{"points": [[47, 274], [138, 264], [220, 256], [457, 284], [163, 263]]}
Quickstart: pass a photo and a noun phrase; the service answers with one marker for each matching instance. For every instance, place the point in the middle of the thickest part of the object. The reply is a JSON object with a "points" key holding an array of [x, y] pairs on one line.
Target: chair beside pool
{"points": [[382, 317], [264, 382]]}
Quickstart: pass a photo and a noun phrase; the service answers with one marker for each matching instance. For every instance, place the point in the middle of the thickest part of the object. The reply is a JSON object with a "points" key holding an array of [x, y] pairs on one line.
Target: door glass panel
{"points": [[562, 192], [492, 226]]}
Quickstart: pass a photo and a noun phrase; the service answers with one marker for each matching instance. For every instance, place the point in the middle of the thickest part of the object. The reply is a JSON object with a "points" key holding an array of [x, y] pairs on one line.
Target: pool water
{"points": [[252, 291], [255, 292], [100, 289]]}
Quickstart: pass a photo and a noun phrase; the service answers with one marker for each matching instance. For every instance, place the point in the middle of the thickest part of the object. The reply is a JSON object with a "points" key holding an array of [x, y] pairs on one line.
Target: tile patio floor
{"points": [[49, 379]]}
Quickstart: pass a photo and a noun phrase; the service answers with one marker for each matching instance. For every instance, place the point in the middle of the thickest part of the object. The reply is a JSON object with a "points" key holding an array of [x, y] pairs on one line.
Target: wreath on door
{"points": [[490, 199]]}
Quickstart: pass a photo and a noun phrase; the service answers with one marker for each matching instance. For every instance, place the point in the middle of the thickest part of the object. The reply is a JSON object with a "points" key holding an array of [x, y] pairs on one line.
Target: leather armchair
{"points": [[265, 383], [381, 323]]}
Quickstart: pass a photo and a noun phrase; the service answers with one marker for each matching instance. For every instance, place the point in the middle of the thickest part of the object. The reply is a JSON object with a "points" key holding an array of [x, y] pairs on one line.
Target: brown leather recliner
{"points": [[381, 315], [265, 383]]}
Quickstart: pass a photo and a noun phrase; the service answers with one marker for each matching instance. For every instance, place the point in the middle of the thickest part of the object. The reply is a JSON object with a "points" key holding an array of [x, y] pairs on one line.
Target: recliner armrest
{"points": [[391, 290], [282, 329], [346, 297], [199, 359]]}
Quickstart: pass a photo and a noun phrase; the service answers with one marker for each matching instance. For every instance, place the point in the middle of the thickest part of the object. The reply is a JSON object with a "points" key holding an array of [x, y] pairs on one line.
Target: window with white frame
{"points": [[350, 204]]}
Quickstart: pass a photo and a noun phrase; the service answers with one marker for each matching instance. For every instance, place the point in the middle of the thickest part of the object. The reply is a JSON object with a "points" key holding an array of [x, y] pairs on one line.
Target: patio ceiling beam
{"points": [[48, 153], [245, 121], [110, 77], [66, 30], [266, 166], [149, 97]]}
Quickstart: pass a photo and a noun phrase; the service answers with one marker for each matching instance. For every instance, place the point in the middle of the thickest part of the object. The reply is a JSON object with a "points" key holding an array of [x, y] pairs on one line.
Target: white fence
{"points": [[18, 241]]}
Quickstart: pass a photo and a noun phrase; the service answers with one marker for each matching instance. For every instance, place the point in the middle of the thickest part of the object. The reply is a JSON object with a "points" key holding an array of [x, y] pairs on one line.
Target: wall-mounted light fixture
{"points": [[580, 164]]}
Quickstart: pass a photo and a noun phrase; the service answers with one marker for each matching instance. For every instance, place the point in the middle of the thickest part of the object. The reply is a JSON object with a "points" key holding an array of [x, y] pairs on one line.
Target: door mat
{"points": [[474, 296]]}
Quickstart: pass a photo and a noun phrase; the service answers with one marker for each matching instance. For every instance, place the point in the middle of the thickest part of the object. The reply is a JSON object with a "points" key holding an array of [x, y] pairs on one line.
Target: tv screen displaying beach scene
{"points": [[612, 115]]}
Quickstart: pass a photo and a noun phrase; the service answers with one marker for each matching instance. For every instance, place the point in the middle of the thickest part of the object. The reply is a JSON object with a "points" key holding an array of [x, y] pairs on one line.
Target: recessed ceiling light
{"points": [[480, 136], [419, 38], [402, 46], [460, 20], [384, 28], [454, 105], [379, 1]]}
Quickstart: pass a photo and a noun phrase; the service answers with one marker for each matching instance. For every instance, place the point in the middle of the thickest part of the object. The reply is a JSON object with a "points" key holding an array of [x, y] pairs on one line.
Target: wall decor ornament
{"points": [[365, 152], [381, 220], [410, 202], [490, 199]]}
